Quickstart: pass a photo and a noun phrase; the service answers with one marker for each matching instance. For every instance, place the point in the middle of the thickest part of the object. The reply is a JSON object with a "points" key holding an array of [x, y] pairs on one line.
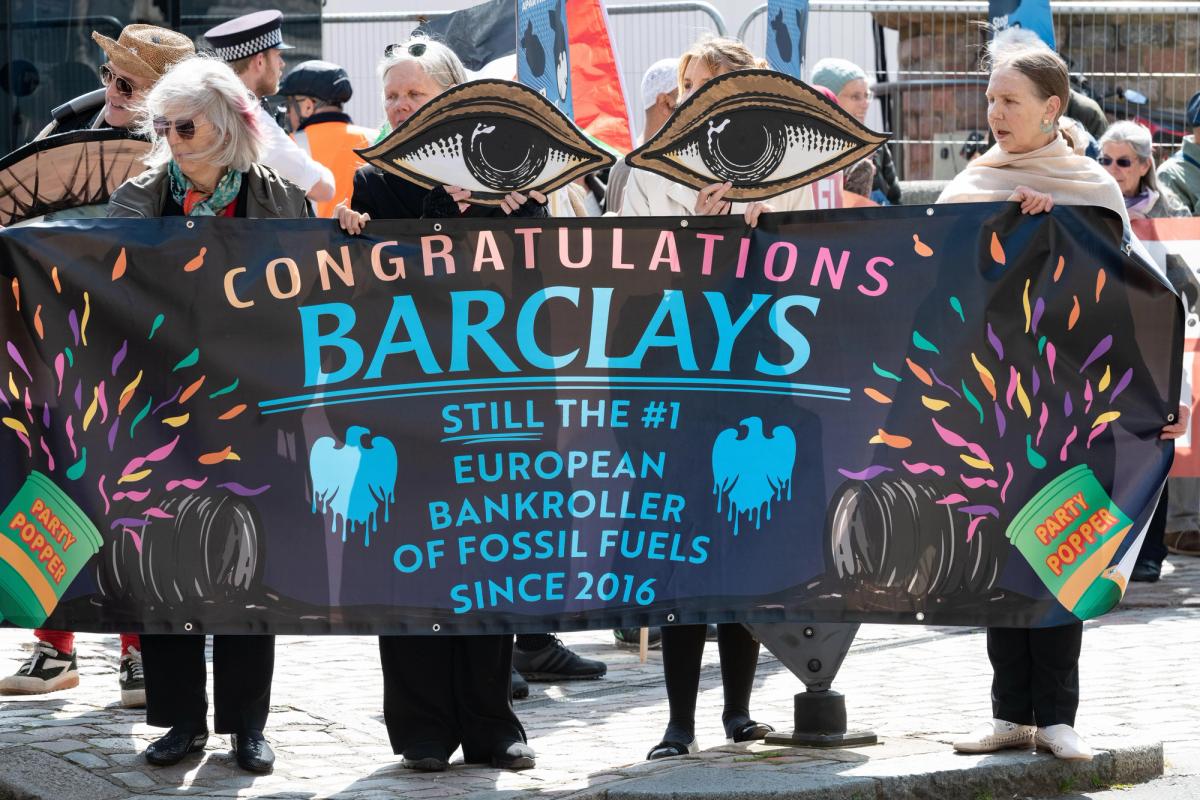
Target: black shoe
{"points": [[520, 686], [1145, 571], [555, 662], [632, 637], [178, 742], [425, 759], [517, 755], [252, 751]]}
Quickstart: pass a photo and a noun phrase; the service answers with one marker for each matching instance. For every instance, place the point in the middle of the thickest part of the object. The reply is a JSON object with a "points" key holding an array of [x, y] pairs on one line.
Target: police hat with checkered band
{"points": [[247, 35]]}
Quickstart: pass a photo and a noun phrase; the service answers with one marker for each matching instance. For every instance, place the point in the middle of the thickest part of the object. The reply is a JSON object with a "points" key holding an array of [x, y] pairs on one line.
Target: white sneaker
{"points": [[132, 682], [46, 670], [1000, 735], [1064, 742]]}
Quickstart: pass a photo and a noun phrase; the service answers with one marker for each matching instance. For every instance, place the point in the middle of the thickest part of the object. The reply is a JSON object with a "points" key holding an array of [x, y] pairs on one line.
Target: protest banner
{"points": [[945, 414]]}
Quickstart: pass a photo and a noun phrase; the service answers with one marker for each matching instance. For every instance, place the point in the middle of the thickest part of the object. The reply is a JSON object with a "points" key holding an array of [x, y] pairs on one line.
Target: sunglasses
{"points": [[186, 128], [124, 87], [415, 49], [1122, 162]]}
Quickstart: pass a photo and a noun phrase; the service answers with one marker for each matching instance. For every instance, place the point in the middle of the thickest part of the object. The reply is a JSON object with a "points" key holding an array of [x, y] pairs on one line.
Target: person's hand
{"points": [[351, 221], [1179, 426], [711, 200], [460, 196], [1031, 202], [514, 200], [755, 210]]}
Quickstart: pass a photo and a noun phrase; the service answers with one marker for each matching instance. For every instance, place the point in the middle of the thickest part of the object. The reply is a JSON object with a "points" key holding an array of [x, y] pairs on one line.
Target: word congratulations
{"points": [[474, 315], [564, 250]]}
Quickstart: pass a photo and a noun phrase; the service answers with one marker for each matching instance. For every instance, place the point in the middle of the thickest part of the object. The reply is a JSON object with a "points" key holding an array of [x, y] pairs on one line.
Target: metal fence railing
{"points": [[641, 33], [925, 56]]}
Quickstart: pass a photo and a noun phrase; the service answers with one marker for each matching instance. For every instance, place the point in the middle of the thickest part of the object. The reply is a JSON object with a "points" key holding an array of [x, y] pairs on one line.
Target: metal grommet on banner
{"points": [[670, 617], [1170, 417], [436, 627], [920, 616], [929, 211], [187, 626], [683, 223], [191, 223], [437, 226]]}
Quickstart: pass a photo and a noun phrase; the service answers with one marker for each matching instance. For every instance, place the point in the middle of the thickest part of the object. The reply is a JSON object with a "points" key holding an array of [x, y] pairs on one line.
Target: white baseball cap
{"points": [[661, 77]]}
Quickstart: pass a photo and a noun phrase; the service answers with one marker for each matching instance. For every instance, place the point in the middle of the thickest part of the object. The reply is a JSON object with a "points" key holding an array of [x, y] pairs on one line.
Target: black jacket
{"points": [[387, 196]]}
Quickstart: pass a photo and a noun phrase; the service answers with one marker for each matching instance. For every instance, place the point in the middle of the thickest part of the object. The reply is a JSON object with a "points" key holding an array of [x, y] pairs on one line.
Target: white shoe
{"points": [[1064, 742], [1000, 735]]}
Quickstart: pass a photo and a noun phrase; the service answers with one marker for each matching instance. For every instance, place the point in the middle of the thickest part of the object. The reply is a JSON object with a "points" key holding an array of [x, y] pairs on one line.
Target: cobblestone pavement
{"points": [[915, 686]]}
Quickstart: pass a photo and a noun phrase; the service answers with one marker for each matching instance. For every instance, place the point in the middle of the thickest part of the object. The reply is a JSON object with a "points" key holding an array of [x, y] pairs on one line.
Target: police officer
{"points": [[251, 44], [316, 91]]}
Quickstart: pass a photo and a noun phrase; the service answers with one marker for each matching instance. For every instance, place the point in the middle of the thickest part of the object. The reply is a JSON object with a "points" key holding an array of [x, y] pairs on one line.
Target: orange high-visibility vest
{"points": [[333, 143]]}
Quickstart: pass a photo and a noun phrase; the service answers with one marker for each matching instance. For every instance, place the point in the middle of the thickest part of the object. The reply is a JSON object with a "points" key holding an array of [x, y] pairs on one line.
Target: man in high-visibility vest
{"points": [[315, 93]]}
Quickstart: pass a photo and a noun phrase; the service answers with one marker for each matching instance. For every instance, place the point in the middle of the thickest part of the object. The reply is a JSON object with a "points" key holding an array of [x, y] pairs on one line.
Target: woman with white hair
{"points": [[204, 162], [439, 692], [1127, 152], [206, 148]]}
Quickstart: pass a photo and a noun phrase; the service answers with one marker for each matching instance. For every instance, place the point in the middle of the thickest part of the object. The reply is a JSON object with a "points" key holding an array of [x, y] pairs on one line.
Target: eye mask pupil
{"points": [[746, 150], [487, 161]]}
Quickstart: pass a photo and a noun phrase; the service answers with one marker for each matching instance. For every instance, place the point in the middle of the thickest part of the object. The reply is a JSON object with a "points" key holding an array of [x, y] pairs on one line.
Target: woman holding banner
{"points": [[204, 162], [1035, 683], [439, 692], [647, 194], [651, 195]]}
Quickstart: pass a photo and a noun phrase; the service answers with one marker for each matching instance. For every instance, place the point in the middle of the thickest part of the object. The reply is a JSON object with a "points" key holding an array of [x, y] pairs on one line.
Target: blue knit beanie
{"points": [[835, 73], [1193, 111]]}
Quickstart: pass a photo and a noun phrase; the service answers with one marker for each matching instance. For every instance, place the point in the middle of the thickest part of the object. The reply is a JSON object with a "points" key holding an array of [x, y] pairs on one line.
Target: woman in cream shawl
{"points": [[1035, 683]]}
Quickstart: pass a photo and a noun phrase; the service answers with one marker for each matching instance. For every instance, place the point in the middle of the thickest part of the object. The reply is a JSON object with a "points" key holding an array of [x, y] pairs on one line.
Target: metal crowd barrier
{"points": [[1141, 60], [642, 34]]}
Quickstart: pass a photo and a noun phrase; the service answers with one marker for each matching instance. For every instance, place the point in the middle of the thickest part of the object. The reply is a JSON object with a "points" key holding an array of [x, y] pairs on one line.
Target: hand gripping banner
{"points": [[947, 414]]}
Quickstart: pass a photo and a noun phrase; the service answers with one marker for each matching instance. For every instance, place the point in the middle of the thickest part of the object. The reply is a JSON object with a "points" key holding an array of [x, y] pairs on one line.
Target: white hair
{"points": [[202, 86], [1139, 140], [437, 60]]}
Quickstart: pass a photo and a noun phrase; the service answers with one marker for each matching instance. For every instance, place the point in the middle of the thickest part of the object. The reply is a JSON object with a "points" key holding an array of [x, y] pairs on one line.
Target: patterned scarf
{"points": [[197, 204]]}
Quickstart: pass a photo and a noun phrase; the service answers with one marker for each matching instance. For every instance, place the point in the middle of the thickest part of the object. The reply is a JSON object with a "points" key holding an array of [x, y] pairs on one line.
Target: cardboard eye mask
{"points": [[765, 132], [491, 137], [65, 171]]}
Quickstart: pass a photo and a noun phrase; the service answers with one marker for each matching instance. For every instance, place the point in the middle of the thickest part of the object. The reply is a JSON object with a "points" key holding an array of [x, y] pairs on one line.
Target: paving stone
{"points": [[87, 760], [26, 774], [60, 745], [707, 783], [135, 780]]}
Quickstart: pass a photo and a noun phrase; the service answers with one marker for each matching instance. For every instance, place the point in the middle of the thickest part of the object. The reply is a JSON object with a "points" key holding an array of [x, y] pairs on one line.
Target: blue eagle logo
{"points": [[751, 472], [353, 480]]}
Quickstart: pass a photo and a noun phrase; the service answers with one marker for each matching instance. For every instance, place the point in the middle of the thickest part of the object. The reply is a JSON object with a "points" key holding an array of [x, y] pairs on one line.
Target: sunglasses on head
{"points": [[414, 49], [1122, 162], [186, 128], [124, 87]]}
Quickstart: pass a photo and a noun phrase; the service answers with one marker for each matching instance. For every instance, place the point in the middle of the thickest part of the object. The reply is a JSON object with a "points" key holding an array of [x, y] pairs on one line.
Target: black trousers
{"points": [[443, 691], [176, 677], [1035, 674]]}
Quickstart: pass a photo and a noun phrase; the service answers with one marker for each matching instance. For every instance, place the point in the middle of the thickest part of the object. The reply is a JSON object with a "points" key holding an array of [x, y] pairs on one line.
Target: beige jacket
{"points": [[651, 195]]}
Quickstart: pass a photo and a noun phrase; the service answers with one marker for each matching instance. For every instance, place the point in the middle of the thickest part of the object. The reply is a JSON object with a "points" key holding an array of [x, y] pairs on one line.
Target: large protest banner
{"points": [[944, 414]]}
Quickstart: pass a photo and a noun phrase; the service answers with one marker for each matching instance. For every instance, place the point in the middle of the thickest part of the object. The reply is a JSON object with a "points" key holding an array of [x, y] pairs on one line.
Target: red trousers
{"points": [[64, 641]]}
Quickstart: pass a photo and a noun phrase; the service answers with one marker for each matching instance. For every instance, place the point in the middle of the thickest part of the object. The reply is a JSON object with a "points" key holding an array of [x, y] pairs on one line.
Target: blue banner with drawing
{"points": [[944, 414], [787, 35], [544, 50]]}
